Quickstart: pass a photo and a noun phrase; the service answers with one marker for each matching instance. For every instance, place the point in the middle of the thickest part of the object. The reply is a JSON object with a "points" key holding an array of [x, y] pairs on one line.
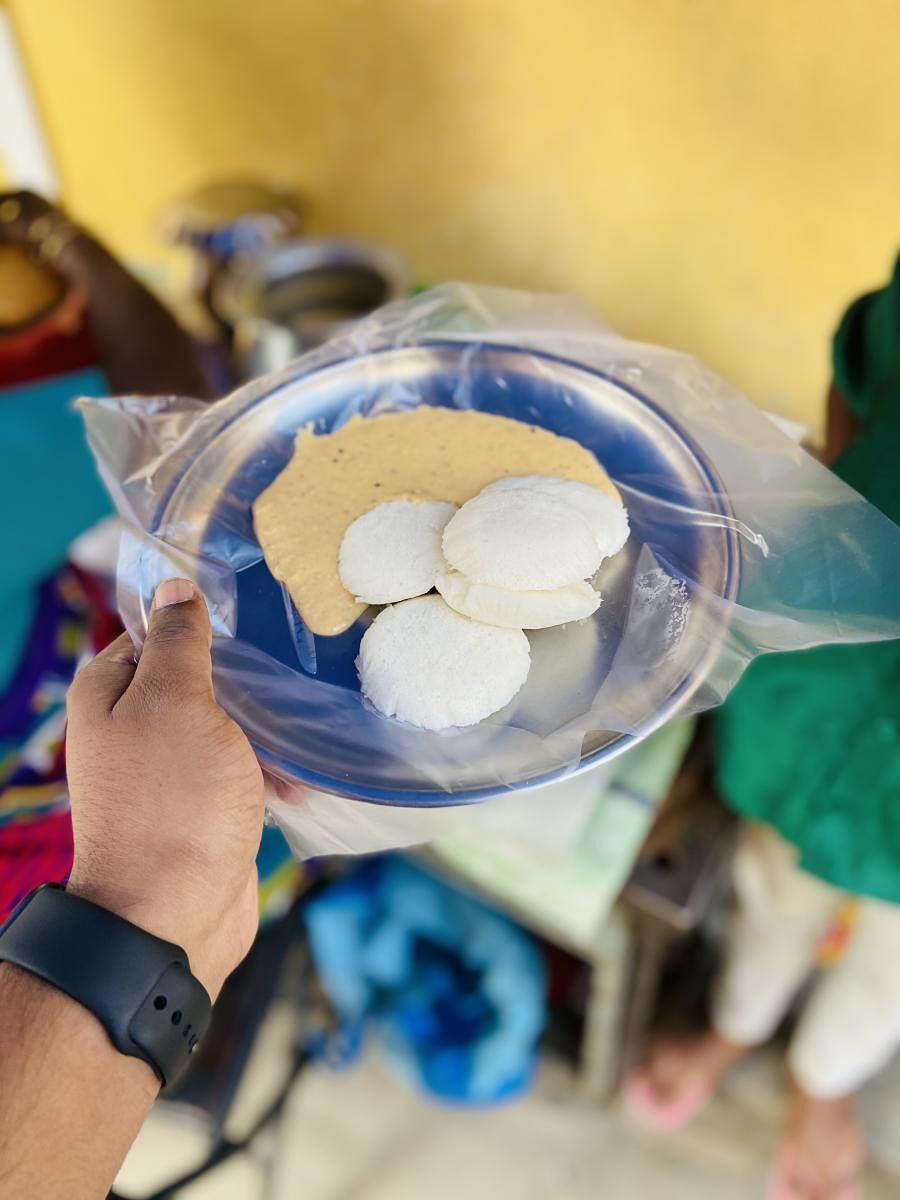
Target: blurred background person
{"points": [[808, 751], [73, 321]]}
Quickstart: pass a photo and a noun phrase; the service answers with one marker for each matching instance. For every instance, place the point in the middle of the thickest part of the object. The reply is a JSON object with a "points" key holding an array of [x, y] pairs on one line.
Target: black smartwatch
{"points": [[138, 986]]}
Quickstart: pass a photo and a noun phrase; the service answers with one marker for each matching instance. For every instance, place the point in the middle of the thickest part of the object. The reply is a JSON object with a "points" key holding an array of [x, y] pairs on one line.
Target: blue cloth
{"points": [[454, 991], [50, 493]]}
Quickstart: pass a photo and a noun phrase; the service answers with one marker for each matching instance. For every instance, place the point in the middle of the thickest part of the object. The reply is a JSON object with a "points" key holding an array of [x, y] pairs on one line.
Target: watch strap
{"points": [[139, 986]]}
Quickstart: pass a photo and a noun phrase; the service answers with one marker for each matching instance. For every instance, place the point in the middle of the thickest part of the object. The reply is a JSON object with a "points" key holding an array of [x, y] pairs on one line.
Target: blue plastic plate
{"points": [[650, 459]]}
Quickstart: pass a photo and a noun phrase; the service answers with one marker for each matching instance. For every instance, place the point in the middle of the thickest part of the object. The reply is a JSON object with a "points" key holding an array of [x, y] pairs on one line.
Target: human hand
{"points": [[166, 792]]}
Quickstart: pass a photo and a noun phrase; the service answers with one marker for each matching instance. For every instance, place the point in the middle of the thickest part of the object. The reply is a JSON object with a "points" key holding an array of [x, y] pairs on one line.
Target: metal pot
{"points": [[297, 294]]}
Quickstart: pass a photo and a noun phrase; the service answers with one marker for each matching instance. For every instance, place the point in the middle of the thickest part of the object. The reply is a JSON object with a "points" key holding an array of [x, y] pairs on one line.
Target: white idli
{"points": [[423, 663], [605, 515], [393, 552], [517, 610], [522, 540]]}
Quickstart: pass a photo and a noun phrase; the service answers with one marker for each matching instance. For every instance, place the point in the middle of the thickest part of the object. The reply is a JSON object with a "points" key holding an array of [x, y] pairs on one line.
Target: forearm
{"points": [[840, 428], [146, 742], [142, 347], [70, 1103]]}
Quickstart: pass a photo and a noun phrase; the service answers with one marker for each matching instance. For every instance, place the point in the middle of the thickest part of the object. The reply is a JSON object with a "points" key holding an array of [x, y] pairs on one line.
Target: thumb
{"points": [[176, 653]]}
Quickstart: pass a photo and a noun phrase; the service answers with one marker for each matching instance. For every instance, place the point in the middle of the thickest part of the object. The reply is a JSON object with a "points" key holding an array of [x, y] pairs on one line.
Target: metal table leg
{"points": [[605, 1017]]}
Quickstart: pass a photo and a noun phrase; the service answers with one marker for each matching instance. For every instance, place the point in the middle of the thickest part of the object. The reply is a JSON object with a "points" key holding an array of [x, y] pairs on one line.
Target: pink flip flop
{"points": [[662, 1116]]}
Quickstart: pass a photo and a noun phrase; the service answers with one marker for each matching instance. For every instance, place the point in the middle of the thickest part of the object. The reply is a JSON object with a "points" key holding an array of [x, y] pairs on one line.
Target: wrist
{"points": [[164, 919], [74, 1025], [74, 256], [50, 237], [45, 231]]}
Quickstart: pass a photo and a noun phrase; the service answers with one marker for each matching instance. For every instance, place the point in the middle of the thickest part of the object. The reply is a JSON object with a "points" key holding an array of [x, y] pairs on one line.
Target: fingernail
{"points": [[173, 591]]}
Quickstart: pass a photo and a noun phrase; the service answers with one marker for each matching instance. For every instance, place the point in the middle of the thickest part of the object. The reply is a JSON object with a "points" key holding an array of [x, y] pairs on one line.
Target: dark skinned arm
{"points": [[142, 348], [841, 427], [148, 747]]}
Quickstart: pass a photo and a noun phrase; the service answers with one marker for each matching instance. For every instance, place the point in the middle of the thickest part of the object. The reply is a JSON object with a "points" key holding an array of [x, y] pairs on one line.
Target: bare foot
{"points": [[822, 1150], [678, 1078]]}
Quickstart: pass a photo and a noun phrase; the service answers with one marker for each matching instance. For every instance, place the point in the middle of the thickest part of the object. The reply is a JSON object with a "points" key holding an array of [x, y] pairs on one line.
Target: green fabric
{"points": [[810, 742]]}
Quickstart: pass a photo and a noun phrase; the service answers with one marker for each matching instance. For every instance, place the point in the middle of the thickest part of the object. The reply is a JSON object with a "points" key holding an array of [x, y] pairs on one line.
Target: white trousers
{"points": [[850, 1028]]}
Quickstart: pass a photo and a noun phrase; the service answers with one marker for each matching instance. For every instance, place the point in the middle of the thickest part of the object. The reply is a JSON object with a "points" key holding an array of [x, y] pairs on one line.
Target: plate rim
{"points": [[675, 702]]}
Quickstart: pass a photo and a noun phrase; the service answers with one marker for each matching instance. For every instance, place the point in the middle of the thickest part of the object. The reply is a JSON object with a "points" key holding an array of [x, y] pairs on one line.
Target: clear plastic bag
{"points": [[741, 544]]}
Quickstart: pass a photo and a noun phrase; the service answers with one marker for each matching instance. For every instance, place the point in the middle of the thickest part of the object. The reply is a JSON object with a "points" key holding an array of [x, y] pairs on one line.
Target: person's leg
{"points": [[851, 1026], [849, 1031], [781, 915]]}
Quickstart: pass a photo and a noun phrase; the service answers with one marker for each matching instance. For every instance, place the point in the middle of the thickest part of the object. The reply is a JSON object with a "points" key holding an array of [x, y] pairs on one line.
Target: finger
{"points": [[176, 655], [100, 685]]}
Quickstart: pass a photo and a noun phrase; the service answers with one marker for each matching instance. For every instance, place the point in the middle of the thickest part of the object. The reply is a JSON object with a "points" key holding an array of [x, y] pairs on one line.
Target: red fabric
{"points": [[31, 854], [40, 851], [103, 621], [57, 343]]}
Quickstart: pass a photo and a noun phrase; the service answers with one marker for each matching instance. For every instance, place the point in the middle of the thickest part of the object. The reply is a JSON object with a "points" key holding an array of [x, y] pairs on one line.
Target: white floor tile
{"points": [[361, 1135]]}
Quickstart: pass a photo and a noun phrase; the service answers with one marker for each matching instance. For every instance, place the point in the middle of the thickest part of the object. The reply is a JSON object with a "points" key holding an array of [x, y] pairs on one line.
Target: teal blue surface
{"points": [[50, 492]]}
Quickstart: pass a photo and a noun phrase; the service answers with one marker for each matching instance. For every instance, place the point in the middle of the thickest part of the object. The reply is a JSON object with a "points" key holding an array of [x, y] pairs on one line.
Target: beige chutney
{"points": [[428, 453]]}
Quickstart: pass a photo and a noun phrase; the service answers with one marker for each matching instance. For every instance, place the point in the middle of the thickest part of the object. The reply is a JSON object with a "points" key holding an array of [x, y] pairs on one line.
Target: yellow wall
{"points": [[716, 174]]}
